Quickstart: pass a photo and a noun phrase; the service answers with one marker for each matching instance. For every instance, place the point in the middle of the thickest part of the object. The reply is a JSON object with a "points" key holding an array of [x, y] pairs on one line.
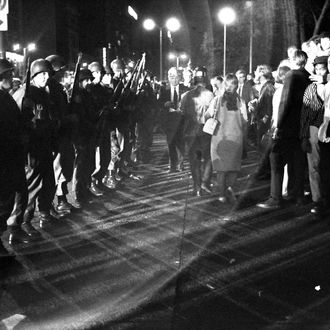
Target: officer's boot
{"points": [[109, 181], [17, 235], [94, 189], [30, 230]]}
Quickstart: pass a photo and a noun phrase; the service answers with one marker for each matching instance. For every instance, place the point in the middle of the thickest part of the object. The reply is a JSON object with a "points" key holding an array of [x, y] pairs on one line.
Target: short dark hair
{"points": [[231, 77], [241, 71], [299, 58]]}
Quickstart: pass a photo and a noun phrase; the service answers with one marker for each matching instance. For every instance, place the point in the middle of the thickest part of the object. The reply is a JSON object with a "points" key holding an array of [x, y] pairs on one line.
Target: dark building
{"points": [[52, 25]]}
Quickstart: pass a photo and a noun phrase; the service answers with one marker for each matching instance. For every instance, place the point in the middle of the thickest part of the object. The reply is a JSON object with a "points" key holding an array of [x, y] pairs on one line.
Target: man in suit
{"points": [[172, 119], [286, 148]]}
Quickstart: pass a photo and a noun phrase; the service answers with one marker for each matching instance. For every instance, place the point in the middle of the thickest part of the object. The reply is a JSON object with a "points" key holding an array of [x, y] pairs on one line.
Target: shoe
{"points": [[206, 189], [289, 198], [30, 230], [172, 170], [18, 235], [270, 204], [64, 207], [77, 204], [95, 190], [109, 182], [317, 209], [45, 219]]}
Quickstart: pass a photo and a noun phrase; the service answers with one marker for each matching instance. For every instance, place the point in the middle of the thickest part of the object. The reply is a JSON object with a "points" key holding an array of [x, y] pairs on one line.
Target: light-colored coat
{"points": [[227, 143]]}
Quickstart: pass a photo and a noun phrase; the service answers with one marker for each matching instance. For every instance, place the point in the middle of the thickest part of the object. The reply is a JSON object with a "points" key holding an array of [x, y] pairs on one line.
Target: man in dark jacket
{"points": [[12, 175], [172, 119], [286, 148]]}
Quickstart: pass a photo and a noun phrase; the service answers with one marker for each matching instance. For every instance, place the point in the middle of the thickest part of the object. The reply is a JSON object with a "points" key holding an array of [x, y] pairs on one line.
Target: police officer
{"points": [[41, 115], [12, 175], [120, 147], [194, 104], [101, 97], [63, 162], [84, 136]]}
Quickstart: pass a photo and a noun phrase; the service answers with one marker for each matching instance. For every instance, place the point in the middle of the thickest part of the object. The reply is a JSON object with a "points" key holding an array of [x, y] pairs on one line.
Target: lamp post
{"points": [[249, 4], [172, 25], [29, 48], [177, 57], [226, 16]]}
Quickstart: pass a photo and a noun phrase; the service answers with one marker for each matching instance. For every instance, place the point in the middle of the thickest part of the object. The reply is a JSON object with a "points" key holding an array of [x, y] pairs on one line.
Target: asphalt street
{"points": [[149, 255]]}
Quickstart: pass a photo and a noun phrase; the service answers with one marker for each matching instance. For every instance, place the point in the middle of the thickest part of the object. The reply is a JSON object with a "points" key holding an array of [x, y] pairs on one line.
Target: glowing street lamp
{"points": [[177, 57], [226, 16], [172, 25]]}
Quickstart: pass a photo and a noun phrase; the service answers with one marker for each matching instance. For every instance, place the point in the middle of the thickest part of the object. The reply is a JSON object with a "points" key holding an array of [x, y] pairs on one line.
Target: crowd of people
{"points": [[93, 133]]}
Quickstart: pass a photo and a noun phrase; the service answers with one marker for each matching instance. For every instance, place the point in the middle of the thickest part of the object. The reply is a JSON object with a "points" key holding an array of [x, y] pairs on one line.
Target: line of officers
{"points": [[48, 138]]}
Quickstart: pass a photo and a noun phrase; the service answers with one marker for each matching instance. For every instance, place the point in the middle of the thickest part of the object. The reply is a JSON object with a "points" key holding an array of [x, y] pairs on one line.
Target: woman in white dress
{"points": [[227, 143]]}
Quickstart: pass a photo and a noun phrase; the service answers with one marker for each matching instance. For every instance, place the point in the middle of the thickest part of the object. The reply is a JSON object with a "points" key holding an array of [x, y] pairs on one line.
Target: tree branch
{"points": [[319, 20]]}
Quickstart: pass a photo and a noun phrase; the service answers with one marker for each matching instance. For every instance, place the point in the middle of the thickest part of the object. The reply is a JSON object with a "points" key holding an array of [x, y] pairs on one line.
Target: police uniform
{"points": [[63, 162], [38, 112]]}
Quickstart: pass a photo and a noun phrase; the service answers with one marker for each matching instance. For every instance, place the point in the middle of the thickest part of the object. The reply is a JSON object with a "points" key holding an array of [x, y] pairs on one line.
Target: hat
{"points": [[85, 74], [320, 59]]}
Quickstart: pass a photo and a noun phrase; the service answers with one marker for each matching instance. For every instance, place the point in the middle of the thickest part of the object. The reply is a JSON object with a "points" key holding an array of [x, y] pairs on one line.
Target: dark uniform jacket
{"points": [[170, 121], [289, 112], [11, 146]]}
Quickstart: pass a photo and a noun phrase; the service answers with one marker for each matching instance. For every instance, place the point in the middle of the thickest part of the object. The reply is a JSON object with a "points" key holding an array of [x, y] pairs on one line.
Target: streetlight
{"points": [[226, 16], [172, 25], [28, 48], [249, 4], [177, 57]]}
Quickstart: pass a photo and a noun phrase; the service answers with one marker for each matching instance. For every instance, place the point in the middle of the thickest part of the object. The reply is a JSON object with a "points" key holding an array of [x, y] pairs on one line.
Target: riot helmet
{"points": [[5, 66], [56, 61], [40, 65]]}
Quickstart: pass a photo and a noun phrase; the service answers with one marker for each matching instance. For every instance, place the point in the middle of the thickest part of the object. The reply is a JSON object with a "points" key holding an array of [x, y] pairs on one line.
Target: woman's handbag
{"points": [[211, 125]]}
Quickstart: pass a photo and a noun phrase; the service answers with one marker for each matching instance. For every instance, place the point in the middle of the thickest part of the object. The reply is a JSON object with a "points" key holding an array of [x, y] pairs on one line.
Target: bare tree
{"points": [[318, 21]]}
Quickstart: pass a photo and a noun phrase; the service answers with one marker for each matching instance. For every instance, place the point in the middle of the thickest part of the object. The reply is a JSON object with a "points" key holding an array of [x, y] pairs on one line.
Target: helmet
{"points": [[56, 61], [117, 64], [85, 74], [96, 66], [200, 74], [5, 66], [40, 65]]}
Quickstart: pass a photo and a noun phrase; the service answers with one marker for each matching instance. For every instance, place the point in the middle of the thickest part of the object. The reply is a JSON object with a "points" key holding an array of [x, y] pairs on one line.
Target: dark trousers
{"points": [[84, 164], [21, 199], [325, 171], [63, 165], [7, 198], [124, 142], [176, 148], [287, 151], [41, 186], [104, 145], [200, 159]]}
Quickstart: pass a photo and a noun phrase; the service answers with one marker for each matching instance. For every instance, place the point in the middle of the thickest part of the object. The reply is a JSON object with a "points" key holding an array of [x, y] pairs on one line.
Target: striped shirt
{"points": [[312, 110]]}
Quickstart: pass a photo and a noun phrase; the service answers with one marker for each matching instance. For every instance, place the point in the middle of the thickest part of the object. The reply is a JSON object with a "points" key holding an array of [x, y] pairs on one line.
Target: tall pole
{"points": [[177, 62], [2, 45], [161, 54], [251, 38], [224, 48]]}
